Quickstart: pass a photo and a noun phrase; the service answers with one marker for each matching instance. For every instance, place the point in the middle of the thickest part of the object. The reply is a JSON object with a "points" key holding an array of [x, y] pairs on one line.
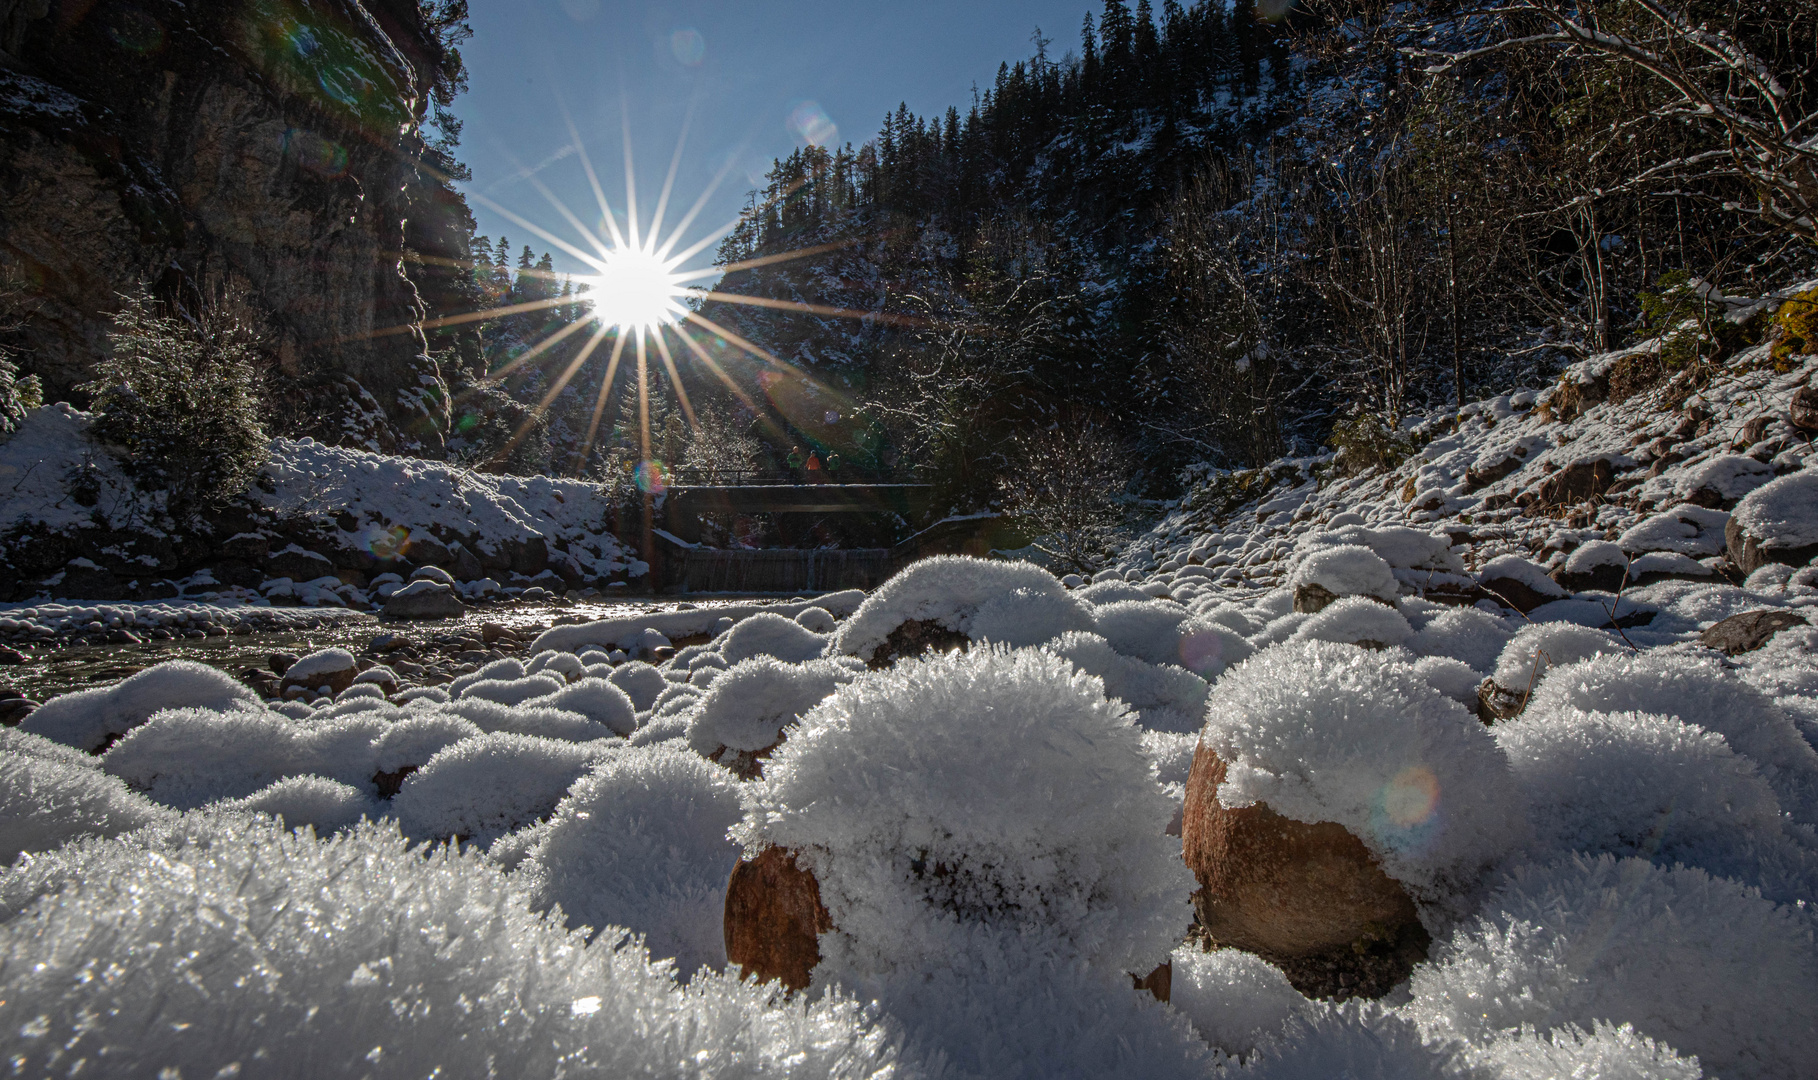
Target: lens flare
{"points": [[688, 46], [635, 290], [811, 124], [1406, 812], [1202, 652], [652, 477]]}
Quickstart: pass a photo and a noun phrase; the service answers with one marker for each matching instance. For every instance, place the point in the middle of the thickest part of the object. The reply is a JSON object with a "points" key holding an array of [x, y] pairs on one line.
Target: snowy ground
{"points": [[1605, 828]]}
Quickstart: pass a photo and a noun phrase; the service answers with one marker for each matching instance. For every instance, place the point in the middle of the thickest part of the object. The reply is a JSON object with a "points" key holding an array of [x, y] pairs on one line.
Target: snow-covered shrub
{"points": [[1328, 732], [1700, 963], [1347, 570], [513, 691], [1697, 690], [87, 719], [361, 956], [1539, 647], [952, 591], [1633, 784], [480, 789], [1356, 620], [1012, 772], [597, 700], [641, 843], [1160, 632], [187, 758], [1234, 999], [748, 707], [768, 634], [45, 803], [1165, 697], [640, 681], [319, 803]]}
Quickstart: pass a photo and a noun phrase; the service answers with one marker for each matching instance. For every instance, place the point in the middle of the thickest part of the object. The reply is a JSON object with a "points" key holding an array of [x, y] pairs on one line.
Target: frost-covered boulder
{"points": [[1686, 529], [1356, 620], [1471, 635], [1534, 650], [480, 789], [1776, 523], [1236, 1000], [1702, 964], [971, 807], [936, 602], [640, 681], [316, 801], [1519, 583], [91, 719], [743, 716], [596, 699], [323, 671], [1334, 796], [425, 598], [1160, 632], [1166, 698], [641, 843], [186, 758], [502, 669], [1600, 564], [1719, 482], [1326, 574], [408, 744], [46, 802], [311, 946], [767, 634]]}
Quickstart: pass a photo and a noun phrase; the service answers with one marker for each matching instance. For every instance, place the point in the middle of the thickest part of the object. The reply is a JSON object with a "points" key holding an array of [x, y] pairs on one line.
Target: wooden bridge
{"points": [[684, 507]]}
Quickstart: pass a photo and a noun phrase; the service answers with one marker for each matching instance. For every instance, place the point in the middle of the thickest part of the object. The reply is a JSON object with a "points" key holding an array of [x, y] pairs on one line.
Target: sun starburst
{"points": [[635, 290]]}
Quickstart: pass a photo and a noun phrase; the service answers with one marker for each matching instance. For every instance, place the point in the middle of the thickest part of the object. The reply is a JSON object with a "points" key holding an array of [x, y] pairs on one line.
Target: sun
{"points": [[635, 289]]}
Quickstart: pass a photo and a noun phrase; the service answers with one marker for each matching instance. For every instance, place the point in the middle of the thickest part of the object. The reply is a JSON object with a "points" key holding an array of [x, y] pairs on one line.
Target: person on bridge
{"points": [[816, 475], [794, 460]]}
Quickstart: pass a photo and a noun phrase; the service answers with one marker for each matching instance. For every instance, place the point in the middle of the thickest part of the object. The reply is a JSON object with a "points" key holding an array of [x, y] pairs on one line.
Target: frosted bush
{"points": [[1453, 678], [1468, 634], [1702, 964], [87, 719], [1234, 999], [361, 956], [1356, 620], [750, 705], [1165, 697], [1010, 770], [1539, 647], [641, 843], [640, 681], [1166, 633], [949, 590], [1607, 1052], [768, 634], [1697, 690], [322, 804], [1633, 784], [481, 789], [595, 699], [412, 741], [1347, 570], [187, 758], [512, 691], [45, 803], [1328, 732]]}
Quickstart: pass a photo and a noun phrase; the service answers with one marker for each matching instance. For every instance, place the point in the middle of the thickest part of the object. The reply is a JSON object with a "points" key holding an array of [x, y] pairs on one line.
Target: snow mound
{"points": [[1784, 513], [186, 758], [595, 699], [45, 803], [1607, 1052], [1328, 732], [1356, 1041], [640, 681], [513, 691], [1453, 678], [412, 741], [480, 789], [748, 707], [817, 619], [1234, 999], [87, 719], [1523, 571], [951, 590], [1160, 632], [1539, 647], [1356, 620], [1347, 570], [1010, 770], [641, 843], [492, 987], [1730, 476], [308, 800], [768, 634], [1685, 530], [1702, 964], [1697, 690], [1165, 697]]}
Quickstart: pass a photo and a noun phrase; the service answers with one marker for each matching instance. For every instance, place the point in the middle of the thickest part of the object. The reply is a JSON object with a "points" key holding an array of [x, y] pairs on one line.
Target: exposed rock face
{"points": [[424, 600], [1748, 631], [267, 145], [1309, 898], [774, 919]]}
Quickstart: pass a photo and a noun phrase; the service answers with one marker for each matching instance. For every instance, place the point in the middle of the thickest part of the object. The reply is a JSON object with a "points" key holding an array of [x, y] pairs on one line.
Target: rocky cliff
{"points": [[267, 146]]}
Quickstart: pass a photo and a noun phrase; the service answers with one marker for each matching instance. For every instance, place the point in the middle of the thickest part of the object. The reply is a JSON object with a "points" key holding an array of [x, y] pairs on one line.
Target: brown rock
{"points": [[1495, 703], [1159, 982], [1312, 598], [1484, 477], [1309, 898], [1803, 410], [1576, 482], [774, 919], [915, 637], [14, 710], [1749, 631], [1516, 594], [1749, 555], [1607, 577]]}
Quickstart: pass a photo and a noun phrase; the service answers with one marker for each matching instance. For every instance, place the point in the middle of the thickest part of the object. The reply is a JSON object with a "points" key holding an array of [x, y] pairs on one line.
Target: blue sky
{"points": [[752, 80]]}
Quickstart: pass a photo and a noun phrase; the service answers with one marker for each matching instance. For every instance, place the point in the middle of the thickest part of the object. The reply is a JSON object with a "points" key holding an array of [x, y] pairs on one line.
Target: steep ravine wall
{"points": [[267, 145]]}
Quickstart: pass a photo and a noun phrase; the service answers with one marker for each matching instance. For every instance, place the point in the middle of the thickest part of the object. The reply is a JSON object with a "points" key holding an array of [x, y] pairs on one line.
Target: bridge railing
{"points": [[689, 477]]}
